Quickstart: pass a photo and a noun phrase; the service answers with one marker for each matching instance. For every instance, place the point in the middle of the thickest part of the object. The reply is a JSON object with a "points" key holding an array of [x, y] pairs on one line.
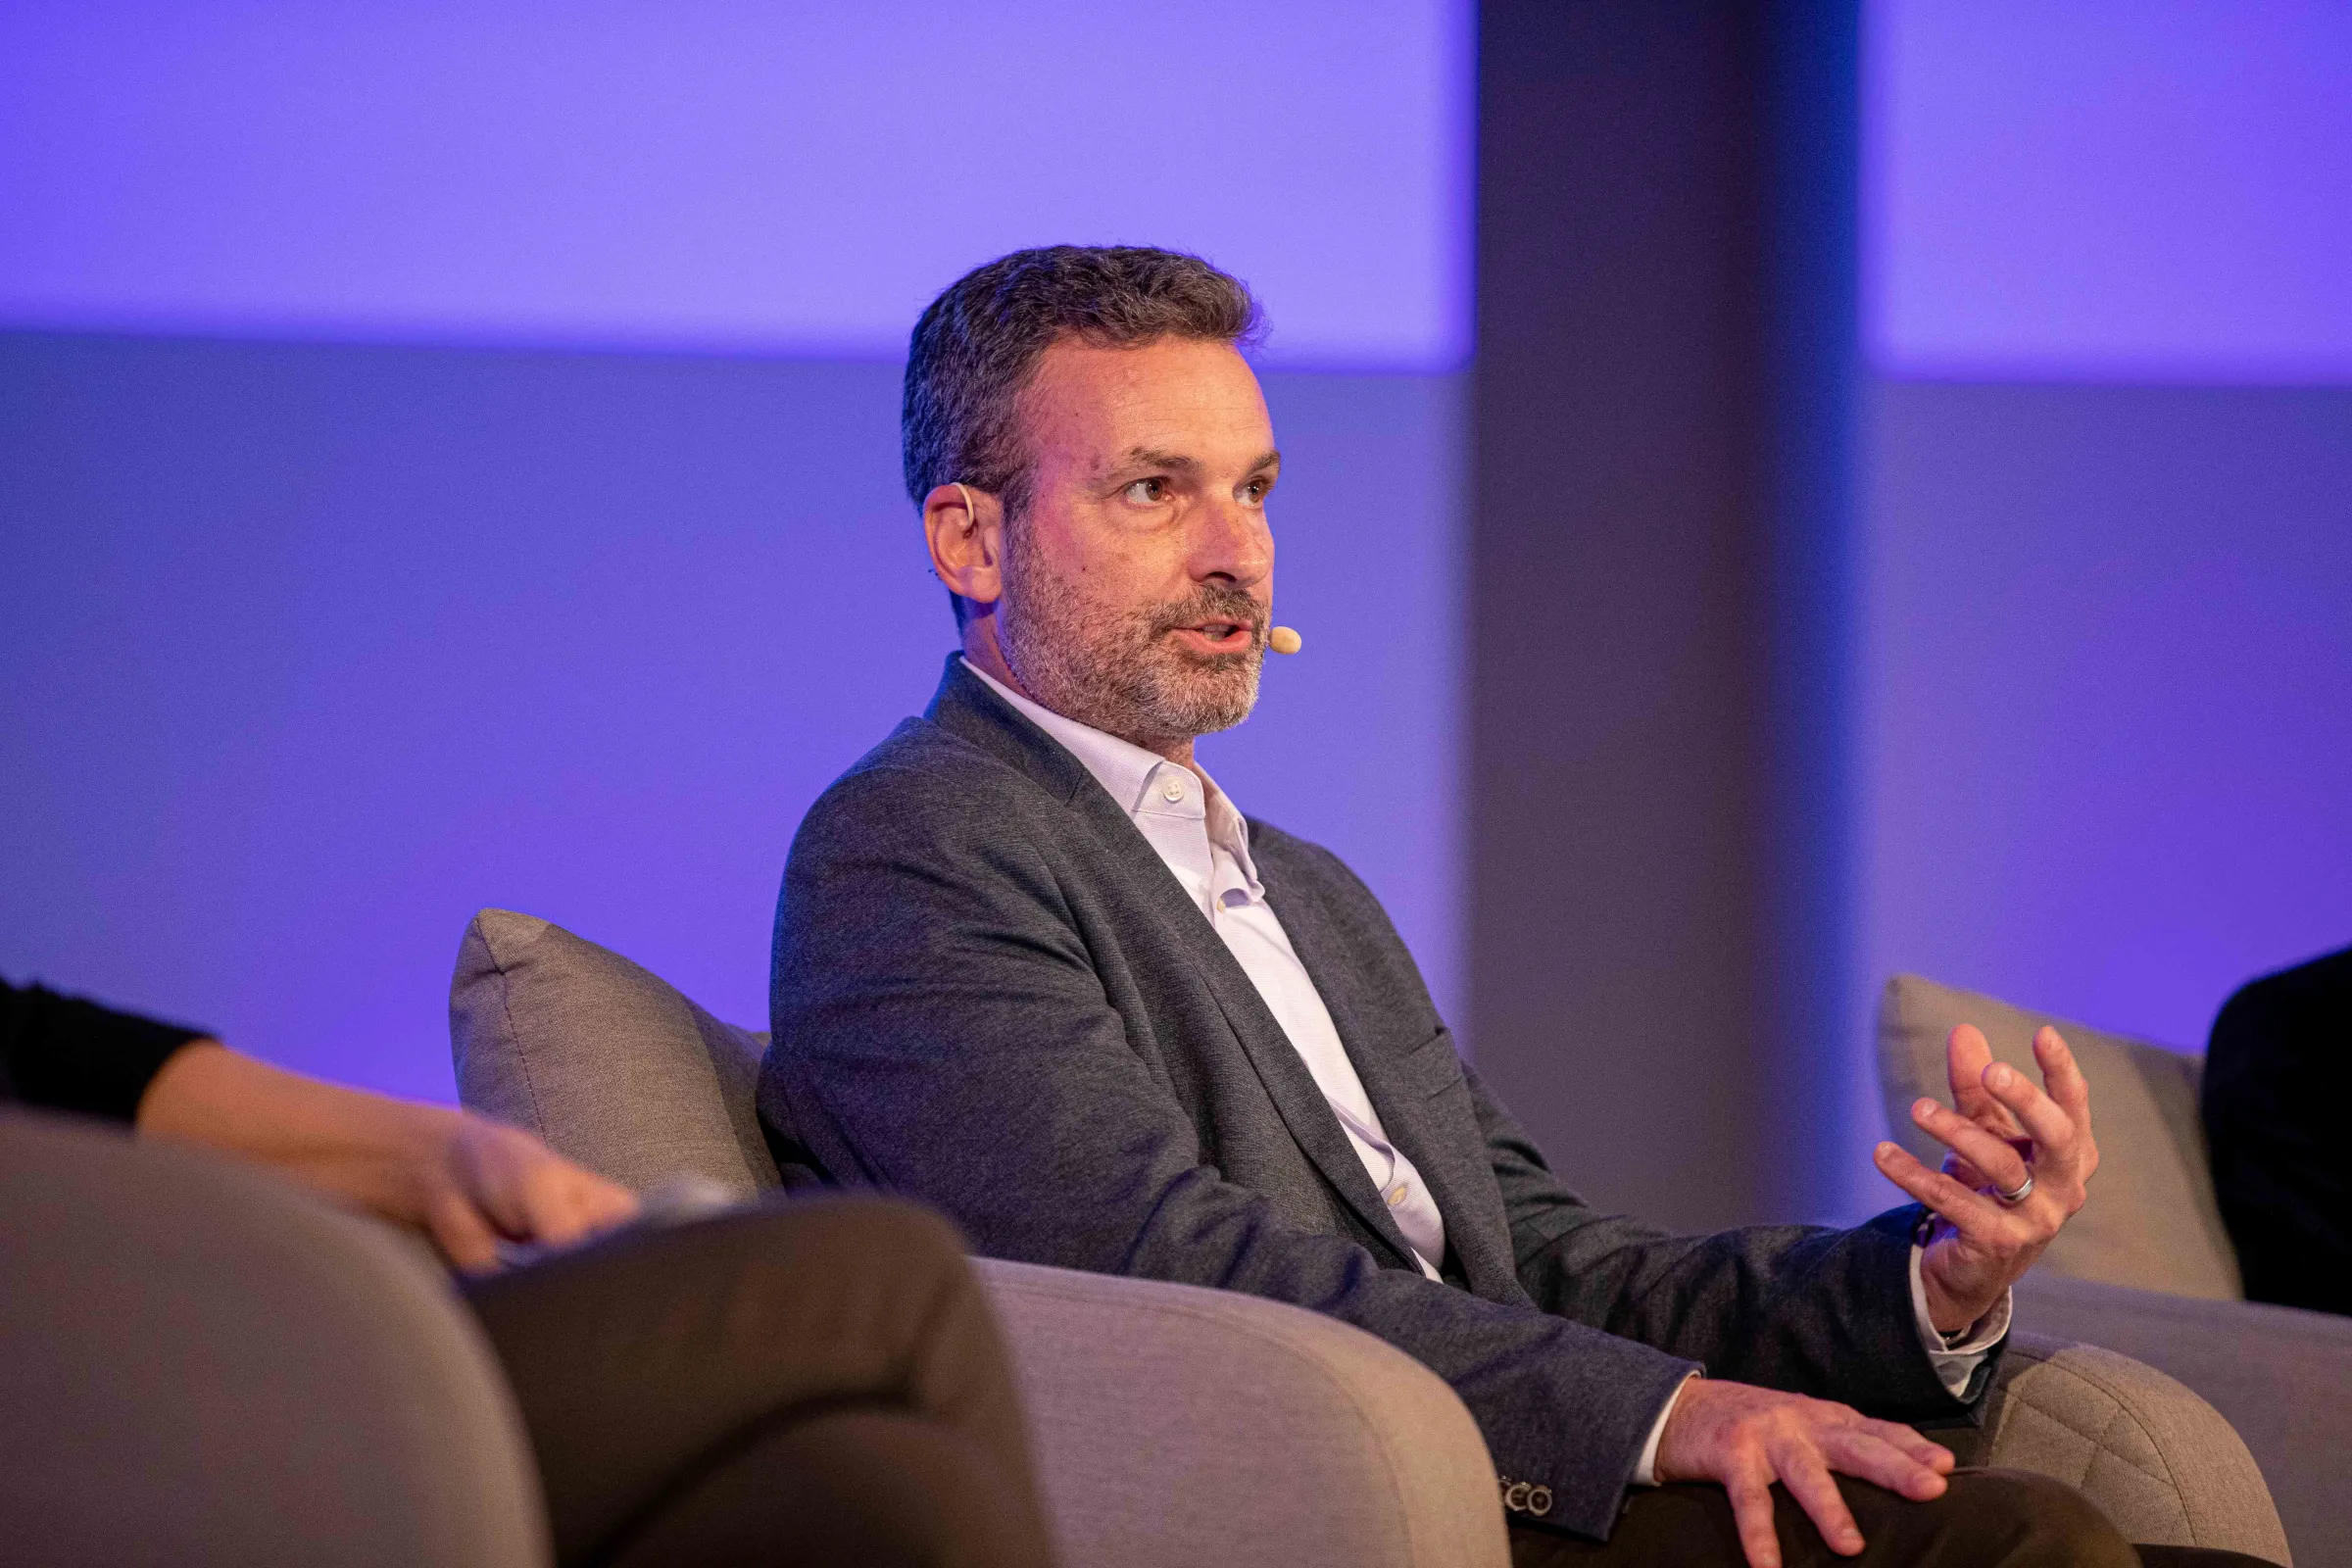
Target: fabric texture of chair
{"points": [[199, 1363], [2160, 1461], [2152, 1222], [1177, 1425], [602, 1060], [1276, 1437], [2281, 1377]]}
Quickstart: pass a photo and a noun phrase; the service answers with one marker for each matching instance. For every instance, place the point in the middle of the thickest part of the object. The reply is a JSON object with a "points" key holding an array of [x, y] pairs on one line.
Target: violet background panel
{"points": [[312, 651], [723, 173], [2120, 190], [2109, 654]]}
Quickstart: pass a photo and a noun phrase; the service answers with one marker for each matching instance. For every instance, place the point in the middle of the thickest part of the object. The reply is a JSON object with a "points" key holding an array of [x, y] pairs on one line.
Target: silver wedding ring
{"points": [[2024, 1191]]}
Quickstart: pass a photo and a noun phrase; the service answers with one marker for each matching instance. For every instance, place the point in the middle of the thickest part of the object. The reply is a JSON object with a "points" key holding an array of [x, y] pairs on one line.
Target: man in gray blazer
{"points": [[1033, 966]]}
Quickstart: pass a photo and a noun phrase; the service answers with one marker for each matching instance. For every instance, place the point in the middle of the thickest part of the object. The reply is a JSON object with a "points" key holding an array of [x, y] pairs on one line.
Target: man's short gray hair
{"points": [[978, 345]]}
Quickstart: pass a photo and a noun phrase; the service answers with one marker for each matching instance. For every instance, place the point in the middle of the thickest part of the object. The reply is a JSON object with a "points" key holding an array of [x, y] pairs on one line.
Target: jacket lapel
{"points": [[970, 709], [1466, 1198]]}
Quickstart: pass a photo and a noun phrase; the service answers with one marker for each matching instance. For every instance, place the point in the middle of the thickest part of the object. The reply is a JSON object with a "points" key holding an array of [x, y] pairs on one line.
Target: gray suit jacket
{"points": [[990, 994]]}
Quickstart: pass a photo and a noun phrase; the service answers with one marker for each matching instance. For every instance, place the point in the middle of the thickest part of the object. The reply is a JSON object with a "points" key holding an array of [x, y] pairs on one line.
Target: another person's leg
{"points": [[816, 1381], [1988, 1519]]}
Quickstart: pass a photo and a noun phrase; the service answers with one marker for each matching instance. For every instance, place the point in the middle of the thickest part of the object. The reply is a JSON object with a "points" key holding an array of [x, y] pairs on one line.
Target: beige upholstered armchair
{"points": [[1181, 1426]]}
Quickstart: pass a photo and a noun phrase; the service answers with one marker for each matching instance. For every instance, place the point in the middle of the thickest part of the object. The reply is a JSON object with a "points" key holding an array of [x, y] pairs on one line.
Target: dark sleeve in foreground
{"points": [[1805, 1308], [2277, 1068], [941, 1031], [65, 1053]]}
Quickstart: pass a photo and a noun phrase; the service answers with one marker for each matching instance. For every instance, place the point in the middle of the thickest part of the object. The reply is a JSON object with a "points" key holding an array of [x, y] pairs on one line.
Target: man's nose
{"points": [[1231, 540]]}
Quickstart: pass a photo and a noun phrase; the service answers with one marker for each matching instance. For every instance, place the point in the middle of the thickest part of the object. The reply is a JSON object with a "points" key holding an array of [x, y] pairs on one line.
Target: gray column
{"points": [[1660, 410]]}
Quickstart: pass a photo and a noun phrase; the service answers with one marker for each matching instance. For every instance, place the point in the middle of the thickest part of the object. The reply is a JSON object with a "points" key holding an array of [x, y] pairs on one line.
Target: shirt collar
{"points": [[1127, 772]]}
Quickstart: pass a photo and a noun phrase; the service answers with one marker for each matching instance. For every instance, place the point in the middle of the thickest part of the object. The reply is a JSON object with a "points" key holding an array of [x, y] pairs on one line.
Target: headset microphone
{"points": [[1283, 640]]}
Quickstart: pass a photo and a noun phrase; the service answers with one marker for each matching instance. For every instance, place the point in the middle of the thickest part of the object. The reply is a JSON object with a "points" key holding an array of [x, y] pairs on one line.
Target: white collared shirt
{"points": [[1204, 841]]}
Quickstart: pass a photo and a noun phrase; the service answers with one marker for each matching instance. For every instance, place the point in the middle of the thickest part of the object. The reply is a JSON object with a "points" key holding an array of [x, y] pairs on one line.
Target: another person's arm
{"points": [[462, 1180]]}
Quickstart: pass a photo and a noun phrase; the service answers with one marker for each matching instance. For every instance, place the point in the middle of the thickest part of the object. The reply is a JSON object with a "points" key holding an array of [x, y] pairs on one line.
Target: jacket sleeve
{"points": [[1813, 1310], [942, 1032]]}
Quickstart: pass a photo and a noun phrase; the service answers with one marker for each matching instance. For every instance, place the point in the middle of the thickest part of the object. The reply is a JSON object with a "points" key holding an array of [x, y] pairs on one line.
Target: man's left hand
{"points": [[2005, 1133]]}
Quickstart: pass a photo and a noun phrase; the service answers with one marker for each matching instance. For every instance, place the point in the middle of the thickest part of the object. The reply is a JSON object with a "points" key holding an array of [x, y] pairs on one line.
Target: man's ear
{"points": [[965, 528]]}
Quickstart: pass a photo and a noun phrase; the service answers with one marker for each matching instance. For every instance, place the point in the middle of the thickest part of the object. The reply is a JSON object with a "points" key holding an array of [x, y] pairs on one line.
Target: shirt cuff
{"points": [[1954, 1363], [1645, 1468]]}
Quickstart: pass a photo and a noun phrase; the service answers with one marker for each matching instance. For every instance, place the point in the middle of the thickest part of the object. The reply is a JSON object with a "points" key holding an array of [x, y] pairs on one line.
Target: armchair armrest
{"points": [[200, 1363], [2156, 1459], [2280, 1377], [1176, 1426]]}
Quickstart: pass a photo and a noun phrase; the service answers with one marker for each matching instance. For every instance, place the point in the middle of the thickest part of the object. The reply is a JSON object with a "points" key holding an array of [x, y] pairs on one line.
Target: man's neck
{"points": [[981, 648]]}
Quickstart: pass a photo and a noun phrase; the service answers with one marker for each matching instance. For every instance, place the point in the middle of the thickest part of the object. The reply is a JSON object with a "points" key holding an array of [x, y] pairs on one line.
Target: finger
{"points": [[1993, 1159], [611, 1203], [1961, 1171], [1969, 1210], [462, 1234], [2063, 1075], [553, 1213], [1874, 1453], [2050, 1128], [1816, 1492], [562, 1204], [1966, 1055], [1920, 1447], [1751, 1513]]}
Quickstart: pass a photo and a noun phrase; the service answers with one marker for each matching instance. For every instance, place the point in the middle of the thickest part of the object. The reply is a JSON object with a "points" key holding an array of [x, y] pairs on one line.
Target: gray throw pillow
{"points": [[606, 1062], [2151, 1221]]}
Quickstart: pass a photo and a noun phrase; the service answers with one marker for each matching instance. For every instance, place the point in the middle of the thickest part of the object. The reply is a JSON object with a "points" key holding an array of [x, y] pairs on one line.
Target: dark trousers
{"points": [[1986, 1519], [806, 1382]]}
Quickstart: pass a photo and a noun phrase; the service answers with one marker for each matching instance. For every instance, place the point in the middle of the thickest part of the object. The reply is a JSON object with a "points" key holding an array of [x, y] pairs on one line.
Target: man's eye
{"points": [[1147, 492]]}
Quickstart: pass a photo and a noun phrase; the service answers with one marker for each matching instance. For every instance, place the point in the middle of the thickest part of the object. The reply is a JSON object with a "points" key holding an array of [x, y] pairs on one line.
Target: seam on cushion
{"points": [[1311, 1357], [2163, 1473], [505, 1008], [2103, 1436], [2092, 1450]]}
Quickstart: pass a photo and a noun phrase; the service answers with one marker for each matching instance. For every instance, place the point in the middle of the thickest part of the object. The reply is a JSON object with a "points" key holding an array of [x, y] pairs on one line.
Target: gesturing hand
{"points": [[2006, 1136], [1747, 1438]]}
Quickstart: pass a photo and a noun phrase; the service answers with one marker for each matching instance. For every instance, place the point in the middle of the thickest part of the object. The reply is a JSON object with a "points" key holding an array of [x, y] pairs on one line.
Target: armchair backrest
{"points": [[605, 1060]]}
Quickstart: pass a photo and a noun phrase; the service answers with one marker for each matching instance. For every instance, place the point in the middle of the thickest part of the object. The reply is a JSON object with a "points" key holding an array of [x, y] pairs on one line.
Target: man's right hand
{"points": [[1747, 1438]]}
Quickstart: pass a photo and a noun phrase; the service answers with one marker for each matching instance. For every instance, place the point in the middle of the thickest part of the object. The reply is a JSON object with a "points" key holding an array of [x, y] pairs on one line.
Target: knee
{"points": [[850, 1237], [2031, 1520], [907, 1235]]}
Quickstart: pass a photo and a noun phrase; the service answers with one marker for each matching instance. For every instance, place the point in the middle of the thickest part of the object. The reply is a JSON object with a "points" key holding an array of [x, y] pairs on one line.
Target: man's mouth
{"points": [[1219, 635]]}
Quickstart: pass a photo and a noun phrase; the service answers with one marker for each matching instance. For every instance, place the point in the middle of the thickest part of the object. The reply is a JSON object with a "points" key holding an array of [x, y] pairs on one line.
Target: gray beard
{"points": [[1114, 670]]}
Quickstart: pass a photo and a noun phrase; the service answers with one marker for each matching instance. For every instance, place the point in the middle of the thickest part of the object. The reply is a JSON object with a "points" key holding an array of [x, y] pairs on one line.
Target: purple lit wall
{"points": [[2106, 570], [2109, 190], [723, 173], [448, 457], [314, 650]]}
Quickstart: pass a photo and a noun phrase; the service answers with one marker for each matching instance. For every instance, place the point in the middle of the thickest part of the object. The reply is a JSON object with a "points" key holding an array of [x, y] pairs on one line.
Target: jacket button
{"points": [[1539, 1501], [1515, 1499]]}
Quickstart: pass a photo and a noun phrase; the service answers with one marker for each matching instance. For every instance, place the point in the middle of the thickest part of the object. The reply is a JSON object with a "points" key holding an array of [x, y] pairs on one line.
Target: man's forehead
{"points": [[1170, 401]]}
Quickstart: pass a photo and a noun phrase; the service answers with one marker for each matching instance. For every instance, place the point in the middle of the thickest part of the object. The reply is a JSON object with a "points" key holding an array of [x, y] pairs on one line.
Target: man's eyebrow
{"points": [[1155, 458], [1177, 462]]}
